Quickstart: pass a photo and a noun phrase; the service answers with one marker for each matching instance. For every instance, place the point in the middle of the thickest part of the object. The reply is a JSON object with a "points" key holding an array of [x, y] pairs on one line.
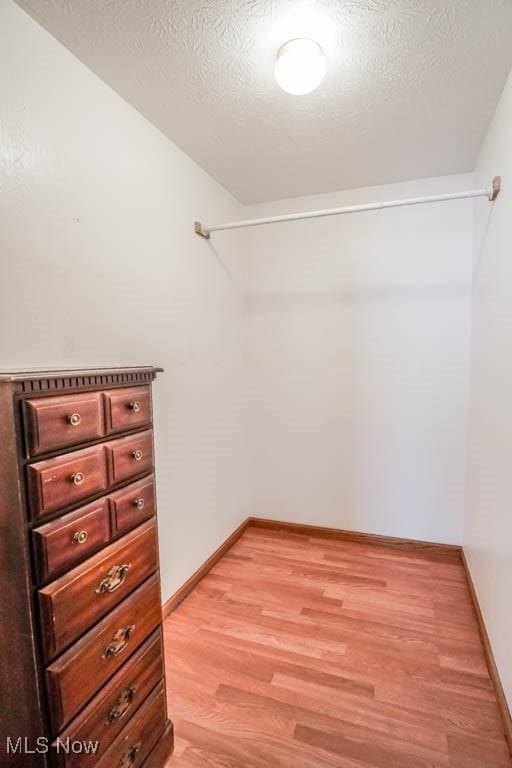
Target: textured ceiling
{"points": [[410, 90]]}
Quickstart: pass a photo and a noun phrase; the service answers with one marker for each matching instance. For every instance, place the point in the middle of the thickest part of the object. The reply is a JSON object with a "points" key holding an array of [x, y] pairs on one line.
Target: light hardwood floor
{"points": [[300, 652]]}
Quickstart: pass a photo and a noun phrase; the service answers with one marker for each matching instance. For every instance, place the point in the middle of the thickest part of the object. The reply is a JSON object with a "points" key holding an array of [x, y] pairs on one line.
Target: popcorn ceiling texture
{"points": [[411, 88]]}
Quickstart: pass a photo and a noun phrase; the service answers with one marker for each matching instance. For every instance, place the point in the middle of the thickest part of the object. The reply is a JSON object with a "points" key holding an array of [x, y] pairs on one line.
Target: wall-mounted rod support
{"points": [[200, 230], [491, 193], [495, 190]]}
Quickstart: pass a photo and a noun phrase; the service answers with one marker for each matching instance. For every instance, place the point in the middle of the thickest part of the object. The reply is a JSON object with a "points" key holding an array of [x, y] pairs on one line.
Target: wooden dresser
{"points": [[82, 681]]}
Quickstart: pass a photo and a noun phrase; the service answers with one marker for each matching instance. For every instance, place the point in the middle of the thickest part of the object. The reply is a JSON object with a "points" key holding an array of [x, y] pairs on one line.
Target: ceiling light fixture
{"points": [[300, 66]]}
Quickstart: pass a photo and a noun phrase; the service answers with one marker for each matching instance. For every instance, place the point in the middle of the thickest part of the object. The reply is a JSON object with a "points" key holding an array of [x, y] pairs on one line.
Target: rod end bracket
{"points": [[495, 188], [201, 230]]}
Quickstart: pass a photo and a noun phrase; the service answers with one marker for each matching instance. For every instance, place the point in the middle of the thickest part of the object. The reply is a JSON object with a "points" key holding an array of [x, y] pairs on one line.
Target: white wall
{"points": [[358, 352], [488, 533], [98, 264]]}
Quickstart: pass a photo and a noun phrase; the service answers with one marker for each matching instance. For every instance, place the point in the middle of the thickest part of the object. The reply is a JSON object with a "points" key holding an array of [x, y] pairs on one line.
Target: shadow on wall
{"points": [[232, 275], [483, 223]]}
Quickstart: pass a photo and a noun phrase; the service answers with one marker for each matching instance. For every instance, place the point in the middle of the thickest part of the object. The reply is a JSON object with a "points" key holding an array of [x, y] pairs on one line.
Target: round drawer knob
{"points": [[78, 478], [139, 503], [135, 406], [80, 537], [137, 455], [75, 419]]}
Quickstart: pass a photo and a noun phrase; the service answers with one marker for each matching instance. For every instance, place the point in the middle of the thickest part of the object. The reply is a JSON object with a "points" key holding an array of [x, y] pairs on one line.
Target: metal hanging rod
{"points": [[491, 193]]}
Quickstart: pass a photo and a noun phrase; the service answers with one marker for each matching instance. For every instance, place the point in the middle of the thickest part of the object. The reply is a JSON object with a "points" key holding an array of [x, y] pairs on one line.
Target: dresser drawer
{"points": [[127, 408], [72, 603], [57, 483], [132, 505], [76, 675], [55, 422], [69, 539], [140, 735], [110, 710], [129, 456]]}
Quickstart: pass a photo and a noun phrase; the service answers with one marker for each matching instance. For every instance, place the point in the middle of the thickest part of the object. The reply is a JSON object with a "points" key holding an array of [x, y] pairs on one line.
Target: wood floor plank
{"points": [[301, 652], [366, 752], [317, 709]]}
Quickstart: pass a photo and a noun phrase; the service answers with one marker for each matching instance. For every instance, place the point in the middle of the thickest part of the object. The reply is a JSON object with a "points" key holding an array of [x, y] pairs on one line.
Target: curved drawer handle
{"points": [[77, 478], [114, 578], [123, 704], [134, 406], [139, 503], [119, 642], [137, 455], [130, 756], [75, 419], [80, 537]]}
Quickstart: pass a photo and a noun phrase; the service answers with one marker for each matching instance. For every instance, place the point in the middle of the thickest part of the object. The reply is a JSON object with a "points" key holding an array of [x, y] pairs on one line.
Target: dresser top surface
{"points": [[53, 373]]}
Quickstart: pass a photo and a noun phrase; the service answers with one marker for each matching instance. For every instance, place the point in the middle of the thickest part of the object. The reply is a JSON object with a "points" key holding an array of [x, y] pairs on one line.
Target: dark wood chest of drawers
{"points": [[82, 681]]}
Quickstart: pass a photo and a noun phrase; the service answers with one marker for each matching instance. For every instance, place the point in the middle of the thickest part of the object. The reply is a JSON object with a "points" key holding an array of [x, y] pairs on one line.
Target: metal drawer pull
{"points": [[139, 503], [134, 406], [75, 419], [119, 642], [123, 704], [129, 757], [115, 577], [80, 537], [137, 455], [77, 478]]}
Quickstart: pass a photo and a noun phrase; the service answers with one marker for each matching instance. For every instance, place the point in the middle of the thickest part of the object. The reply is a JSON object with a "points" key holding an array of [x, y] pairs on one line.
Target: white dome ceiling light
{"points": [[300, 66]]}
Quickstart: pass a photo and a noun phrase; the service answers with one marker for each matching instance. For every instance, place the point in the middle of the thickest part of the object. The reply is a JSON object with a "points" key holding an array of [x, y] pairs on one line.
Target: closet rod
{"points": [[491, 193]]}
